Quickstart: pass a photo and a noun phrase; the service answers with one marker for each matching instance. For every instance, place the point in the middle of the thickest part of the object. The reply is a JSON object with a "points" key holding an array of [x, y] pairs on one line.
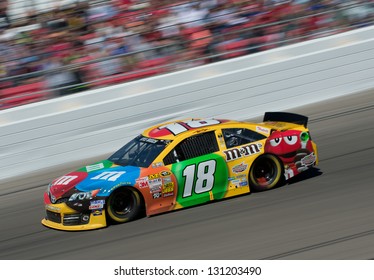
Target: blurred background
{"points": [[55, 48]]}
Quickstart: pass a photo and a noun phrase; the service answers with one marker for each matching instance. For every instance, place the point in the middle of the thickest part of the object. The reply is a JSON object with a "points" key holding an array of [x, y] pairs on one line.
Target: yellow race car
{"points": [[181, 164]]}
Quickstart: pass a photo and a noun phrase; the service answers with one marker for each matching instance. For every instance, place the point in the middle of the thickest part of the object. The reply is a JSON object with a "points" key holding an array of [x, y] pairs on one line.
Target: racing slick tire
{"points": [[266, 173], [124, 205]]}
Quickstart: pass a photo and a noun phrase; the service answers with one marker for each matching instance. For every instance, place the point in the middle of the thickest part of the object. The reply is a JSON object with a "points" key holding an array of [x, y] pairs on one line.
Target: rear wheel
{"points": [[124, 205], [265, 173]]}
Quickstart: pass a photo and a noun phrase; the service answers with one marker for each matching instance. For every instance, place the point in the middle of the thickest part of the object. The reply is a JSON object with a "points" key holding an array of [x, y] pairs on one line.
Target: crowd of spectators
{"points": [[89, 45]]}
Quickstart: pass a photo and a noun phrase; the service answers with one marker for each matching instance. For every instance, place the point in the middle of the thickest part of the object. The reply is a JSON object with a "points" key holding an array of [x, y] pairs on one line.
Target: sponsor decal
{"points": [[155, 185], [96, 204], [158, 175], [153, 176], [165, 173], [167, 179], [169, 185], [236, 182], [97, 212], [53, 199], [155, 182], [308, 160], [237, 177], [148, 140], [109, 175], [240, 168], [168, 188], [157, 164], [84, 195], [244, 151], [243, 183], [156, 195], [94, 167], [262, 129], [143, 182], [168, 194], [155, 189], [114, 187]]}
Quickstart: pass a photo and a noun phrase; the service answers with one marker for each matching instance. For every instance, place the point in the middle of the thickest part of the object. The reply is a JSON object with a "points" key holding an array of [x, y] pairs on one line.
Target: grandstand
{"points": [[19, 9], [54, 48]]}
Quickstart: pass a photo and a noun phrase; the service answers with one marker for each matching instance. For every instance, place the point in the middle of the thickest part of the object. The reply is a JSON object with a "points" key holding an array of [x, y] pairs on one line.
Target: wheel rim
{"points": [[264, 172], [122, 204]]}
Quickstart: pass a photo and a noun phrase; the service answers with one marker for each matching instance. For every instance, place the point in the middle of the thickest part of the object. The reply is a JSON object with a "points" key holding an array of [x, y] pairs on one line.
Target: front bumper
{"points": [[61, 217]]}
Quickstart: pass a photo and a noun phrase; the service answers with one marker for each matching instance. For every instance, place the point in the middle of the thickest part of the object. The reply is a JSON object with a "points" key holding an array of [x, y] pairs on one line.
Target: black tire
{"points": [[124, 205], [266, 173]]}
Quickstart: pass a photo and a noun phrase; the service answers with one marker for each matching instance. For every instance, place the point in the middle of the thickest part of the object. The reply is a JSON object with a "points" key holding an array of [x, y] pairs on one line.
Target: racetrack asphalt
{"points": [[327, 213]]}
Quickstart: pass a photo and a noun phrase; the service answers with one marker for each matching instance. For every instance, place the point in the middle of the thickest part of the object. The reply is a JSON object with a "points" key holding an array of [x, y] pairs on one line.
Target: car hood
{"points": [[101, 177]]}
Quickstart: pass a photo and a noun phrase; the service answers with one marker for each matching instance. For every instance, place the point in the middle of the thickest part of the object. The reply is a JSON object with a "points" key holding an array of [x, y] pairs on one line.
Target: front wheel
{"points": [[124, 205], [265, 173]]}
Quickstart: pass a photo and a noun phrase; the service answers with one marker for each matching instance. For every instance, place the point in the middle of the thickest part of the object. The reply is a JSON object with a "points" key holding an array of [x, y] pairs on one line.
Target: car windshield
{"points": [[140, 152]]}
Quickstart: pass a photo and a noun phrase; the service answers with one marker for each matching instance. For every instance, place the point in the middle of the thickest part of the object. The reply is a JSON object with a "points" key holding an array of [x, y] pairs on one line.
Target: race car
{"points": [[181, 164]]}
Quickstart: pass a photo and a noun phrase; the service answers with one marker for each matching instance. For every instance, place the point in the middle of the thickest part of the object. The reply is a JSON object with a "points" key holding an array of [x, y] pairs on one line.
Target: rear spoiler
{"points": [[286, 117]]}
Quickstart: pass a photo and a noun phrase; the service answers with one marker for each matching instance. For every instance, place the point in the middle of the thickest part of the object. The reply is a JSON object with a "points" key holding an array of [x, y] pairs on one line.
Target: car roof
{"points": [[180, 128]]}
